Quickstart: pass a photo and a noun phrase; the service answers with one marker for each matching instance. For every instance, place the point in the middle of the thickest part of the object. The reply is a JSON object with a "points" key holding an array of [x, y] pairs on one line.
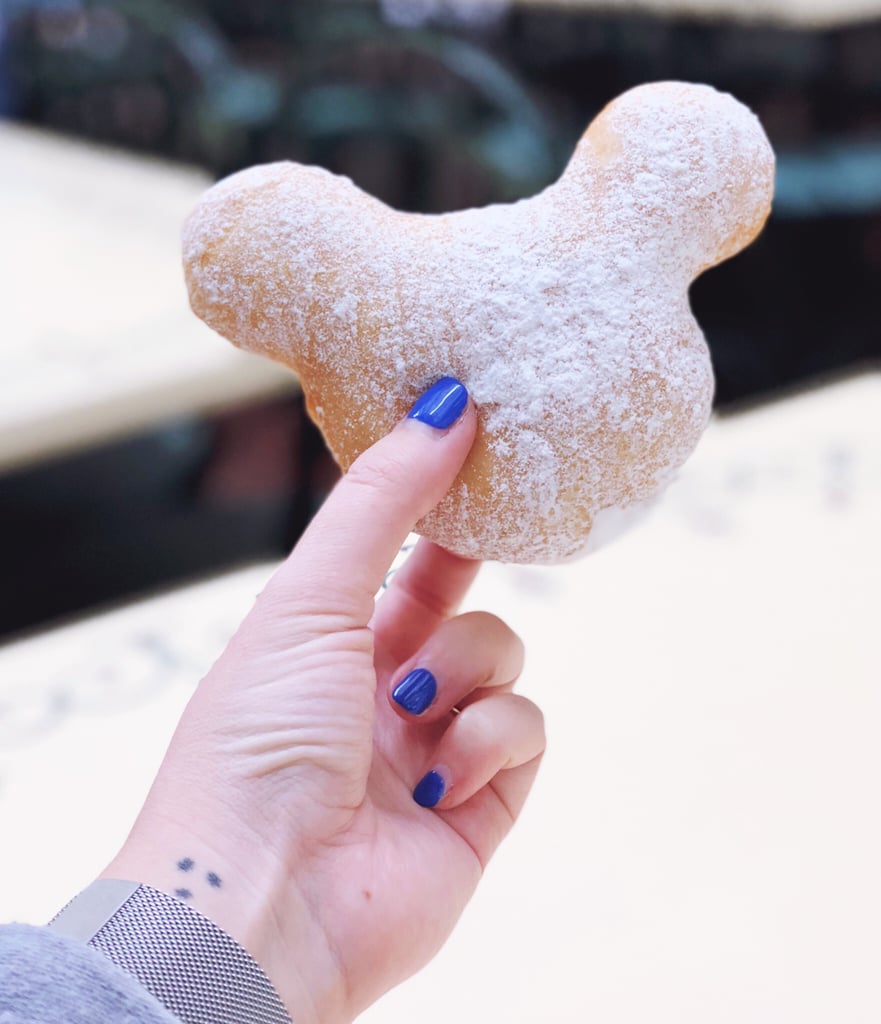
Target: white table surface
{"points": [[704, 840], [96, 335]]}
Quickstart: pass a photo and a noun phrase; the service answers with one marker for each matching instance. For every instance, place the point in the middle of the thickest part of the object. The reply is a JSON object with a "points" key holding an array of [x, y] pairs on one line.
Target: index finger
{"points": [[339, 563]]}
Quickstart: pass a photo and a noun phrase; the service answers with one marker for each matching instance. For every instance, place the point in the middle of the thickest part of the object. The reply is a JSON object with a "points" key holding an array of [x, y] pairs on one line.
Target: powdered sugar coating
{"points": [[566, 315]]}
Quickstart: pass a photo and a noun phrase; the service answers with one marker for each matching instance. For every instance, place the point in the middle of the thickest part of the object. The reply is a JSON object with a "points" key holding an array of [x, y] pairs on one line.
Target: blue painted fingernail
{"points": [[429, 790], [415, 691], [441, 405]]}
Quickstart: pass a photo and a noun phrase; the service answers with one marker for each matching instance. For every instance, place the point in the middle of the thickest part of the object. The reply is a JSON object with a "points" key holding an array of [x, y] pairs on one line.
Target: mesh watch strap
{"points": [[197, 971]]}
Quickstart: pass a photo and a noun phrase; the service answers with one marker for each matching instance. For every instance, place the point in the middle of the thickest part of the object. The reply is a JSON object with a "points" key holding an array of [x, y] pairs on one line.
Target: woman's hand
{"points": [[285, 807]]}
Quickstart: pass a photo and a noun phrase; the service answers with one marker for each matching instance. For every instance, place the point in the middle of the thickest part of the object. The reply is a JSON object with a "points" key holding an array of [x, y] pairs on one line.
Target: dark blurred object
{"points": [[159, 509], [429, 106], [430, 118]]}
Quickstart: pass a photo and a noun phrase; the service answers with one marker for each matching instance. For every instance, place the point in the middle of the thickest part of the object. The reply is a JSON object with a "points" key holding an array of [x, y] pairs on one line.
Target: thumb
{"points": [[339, 563]]}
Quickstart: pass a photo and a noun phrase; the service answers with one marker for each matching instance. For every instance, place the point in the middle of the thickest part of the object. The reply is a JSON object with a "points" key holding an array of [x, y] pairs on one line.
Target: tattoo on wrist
{"points": [[186, 865]]}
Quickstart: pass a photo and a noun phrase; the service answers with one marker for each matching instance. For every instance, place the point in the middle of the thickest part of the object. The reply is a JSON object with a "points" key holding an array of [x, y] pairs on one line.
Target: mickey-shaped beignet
{"points": [[566, 315]]}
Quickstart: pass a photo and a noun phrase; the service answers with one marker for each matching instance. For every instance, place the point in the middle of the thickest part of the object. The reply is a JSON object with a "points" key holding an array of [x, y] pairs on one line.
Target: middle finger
{"points": [[472, 651]]}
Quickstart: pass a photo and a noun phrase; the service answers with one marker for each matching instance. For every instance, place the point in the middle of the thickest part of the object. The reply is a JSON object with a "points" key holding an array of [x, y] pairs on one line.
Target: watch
{"points": [[197, 971]]}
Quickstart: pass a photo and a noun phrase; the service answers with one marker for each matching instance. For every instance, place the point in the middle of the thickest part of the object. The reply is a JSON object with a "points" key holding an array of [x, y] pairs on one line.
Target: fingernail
{"points": [[442, 405], [430, 789], [415, 691]]}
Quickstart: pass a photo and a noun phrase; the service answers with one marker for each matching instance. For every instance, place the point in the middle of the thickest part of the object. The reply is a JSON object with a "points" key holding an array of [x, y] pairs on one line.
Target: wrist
{"points": [[243, 889]]}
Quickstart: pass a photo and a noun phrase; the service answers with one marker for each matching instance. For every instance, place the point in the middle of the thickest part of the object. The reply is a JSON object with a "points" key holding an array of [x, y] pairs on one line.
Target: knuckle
{"points": [[379, 476], [483, 731], [538, 725], [492, 626]]}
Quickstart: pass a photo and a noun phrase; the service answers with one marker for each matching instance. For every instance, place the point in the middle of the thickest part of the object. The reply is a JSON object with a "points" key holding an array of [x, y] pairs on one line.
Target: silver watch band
{"points": [[197, 971]]}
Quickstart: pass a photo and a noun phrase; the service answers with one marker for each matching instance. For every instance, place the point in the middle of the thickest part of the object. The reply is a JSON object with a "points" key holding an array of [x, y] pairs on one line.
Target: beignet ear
{"points": [[685, 170], [260, 252]]}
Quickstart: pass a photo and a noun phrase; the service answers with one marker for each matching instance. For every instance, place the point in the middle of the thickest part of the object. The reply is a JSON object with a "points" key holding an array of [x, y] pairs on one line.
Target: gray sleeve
{"points": [[50, 979]]}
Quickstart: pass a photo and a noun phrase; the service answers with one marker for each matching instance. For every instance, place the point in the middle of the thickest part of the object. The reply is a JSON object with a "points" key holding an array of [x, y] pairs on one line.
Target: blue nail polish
{"points": [[429, 790], [415, 691], [441, 405]]}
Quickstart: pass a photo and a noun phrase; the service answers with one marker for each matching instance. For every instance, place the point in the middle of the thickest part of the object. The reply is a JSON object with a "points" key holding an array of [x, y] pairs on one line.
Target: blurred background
{"points": [[431, 105]]}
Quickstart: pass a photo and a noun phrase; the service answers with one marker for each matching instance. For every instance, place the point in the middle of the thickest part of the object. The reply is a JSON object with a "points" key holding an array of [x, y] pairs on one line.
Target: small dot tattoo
{"points": [[213, 880], [182, 894], [187, 864]]}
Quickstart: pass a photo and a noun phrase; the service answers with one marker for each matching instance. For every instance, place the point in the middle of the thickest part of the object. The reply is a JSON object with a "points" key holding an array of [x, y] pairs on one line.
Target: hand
{"points": [[285, 808]]}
